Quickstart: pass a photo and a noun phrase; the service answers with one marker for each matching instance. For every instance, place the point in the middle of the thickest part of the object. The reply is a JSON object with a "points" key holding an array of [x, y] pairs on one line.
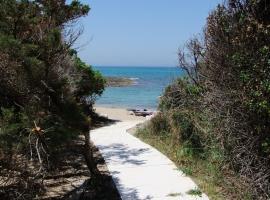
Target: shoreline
{"points": [[125, 107], [118, 113]]}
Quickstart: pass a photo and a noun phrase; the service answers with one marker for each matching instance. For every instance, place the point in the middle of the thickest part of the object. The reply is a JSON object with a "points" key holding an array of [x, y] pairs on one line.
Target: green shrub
{"points": [[91, 83], [44, 89], [12, 129], [159, 125]]}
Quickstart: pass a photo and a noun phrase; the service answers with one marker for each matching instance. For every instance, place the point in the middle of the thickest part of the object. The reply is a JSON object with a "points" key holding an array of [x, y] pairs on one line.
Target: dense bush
{"points": [[44, 89], [222, 106], [91, 83], [236, 78], [159, 125]]}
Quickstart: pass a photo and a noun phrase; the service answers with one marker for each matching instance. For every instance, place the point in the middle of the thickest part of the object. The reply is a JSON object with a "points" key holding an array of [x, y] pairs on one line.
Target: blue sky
{"points": [[140, 32]]}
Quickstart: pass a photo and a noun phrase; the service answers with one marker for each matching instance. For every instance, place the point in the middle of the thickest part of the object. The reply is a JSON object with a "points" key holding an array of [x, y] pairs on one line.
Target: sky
{"points": [[140, 32]]}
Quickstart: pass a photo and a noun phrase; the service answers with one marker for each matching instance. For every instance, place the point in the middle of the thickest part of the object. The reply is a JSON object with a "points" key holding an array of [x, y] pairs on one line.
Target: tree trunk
{"points": [[89, 154]]}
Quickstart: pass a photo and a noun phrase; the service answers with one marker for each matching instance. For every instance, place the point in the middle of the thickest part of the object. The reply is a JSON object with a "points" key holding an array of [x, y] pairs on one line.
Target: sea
{"points": [[149, 84]]}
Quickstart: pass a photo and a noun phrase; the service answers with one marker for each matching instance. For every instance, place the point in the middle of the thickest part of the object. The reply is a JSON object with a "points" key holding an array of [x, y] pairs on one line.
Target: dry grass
{"points": [[216, 183]]}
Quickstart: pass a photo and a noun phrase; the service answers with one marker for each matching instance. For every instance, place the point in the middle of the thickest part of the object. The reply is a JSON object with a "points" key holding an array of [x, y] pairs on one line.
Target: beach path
{"points": [[139, 171]]}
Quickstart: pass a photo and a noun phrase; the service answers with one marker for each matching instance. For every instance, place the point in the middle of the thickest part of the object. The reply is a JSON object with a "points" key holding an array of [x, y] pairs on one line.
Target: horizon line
{"points": [[133, 66]]}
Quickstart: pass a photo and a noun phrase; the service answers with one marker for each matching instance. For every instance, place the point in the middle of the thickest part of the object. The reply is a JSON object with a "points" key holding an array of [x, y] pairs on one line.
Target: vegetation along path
{"points": [[139, 170]]}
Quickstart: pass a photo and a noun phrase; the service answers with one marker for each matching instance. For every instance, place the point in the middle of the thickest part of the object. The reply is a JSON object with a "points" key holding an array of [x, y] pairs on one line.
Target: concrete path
{"points": [[139, 171]]}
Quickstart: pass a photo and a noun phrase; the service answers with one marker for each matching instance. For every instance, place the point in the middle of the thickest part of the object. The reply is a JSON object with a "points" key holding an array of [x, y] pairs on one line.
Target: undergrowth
{"points": [[203, 164]]}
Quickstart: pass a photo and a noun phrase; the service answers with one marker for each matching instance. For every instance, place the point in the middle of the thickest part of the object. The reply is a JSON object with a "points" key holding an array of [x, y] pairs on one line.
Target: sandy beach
{"points": [[120, 114]]}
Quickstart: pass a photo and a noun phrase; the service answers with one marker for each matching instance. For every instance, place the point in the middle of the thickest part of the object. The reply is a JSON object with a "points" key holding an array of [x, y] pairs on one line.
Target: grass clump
{"points": [[174, 194], [199, 167], [195, 192]]}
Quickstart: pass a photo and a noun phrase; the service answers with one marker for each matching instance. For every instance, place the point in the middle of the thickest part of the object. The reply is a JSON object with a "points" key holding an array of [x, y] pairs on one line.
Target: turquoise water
{"points": [[150, 83]]}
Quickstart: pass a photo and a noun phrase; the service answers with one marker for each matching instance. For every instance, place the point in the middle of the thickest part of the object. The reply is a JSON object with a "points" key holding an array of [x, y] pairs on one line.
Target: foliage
{"points": [[222, 106], [91, 83], [12, 128], [236, 78], [44, 87], [195, 192], [196, 164], [159, 125]]}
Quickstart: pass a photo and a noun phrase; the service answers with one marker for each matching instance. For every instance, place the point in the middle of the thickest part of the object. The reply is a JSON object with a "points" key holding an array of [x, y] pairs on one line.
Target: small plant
{"points": [[186, 170], [195, 192], [174, 194]]}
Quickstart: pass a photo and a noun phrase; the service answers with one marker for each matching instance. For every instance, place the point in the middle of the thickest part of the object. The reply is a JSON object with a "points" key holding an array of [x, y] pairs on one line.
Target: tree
{"points": [[41, 84]]}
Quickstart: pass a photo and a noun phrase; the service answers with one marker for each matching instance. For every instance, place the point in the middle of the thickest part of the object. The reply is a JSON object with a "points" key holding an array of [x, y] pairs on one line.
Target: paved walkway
{"points": [[139, 171]]}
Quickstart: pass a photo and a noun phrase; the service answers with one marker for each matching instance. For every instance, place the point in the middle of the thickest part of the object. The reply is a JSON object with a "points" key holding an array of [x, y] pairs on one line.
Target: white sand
{"points": [[120, 114]]}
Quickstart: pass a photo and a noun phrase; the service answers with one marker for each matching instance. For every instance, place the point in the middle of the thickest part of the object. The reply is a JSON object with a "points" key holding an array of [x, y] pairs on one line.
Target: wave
{"points": [[133, 79]]}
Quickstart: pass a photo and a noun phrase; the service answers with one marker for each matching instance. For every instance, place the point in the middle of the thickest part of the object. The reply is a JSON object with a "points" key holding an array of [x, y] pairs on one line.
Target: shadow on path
{"points": [[123, 154]]}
